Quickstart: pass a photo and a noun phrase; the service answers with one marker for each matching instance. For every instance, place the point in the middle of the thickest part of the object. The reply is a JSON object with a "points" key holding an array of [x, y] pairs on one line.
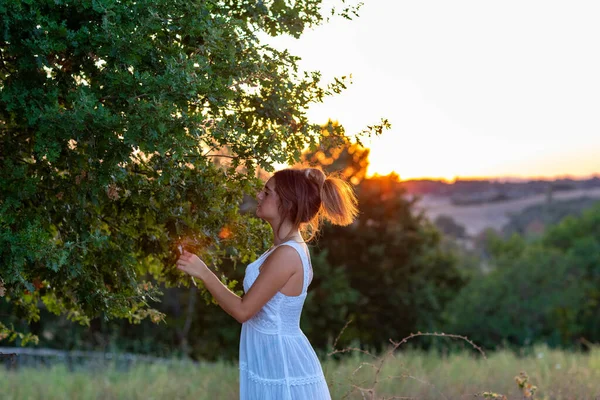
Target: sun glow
{"points": [[466, 97], [427, 158]]}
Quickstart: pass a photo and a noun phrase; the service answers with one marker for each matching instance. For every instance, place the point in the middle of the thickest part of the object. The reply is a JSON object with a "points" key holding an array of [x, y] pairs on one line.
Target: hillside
{"points": [[469, 192], [496, 214]]}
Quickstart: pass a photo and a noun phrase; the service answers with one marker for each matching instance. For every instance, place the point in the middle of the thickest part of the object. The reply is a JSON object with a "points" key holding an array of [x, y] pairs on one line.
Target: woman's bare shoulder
{"points": [[284, 256]]}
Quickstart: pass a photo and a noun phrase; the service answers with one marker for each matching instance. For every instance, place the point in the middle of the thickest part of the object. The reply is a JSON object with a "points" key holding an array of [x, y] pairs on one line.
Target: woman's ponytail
{"points": [[340, 205], [338, 201]]}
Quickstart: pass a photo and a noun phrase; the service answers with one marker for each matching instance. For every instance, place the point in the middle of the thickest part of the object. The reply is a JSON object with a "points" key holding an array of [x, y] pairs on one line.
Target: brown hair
{"points": [[308, 196]]}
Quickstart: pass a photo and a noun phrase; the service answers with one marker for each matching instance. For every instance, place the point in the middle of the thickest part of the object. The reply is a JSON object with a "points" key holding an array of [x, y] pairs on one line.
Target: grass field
{"points": [[409, 374]]}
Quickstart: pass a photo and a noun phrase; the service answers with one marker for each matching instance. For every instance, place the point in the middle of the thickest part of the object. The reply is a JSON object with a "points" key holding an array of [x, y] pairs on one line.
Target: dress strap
{"points": [[306, 263]]}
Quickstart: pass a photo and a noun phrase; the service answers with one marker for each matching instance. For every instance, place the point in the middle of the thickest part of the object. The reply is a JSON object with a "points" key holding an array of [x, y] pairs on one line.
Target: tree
{"points": [[399, 277], [393, 257], [450, 227], [539, 290], [335, 153], [112, 115]]}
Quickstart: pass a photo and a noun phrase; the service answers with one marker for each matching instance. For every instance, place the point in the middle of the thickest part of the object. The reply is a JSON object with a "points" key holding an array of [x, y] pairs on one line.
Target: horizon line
{"points": [[495, 178]]}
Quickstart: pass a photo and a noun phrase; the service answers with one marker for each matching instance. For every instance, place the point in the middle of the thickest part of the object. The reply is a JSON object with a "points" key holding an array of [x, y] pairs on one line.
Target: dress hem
{"points": [[298, 381]]}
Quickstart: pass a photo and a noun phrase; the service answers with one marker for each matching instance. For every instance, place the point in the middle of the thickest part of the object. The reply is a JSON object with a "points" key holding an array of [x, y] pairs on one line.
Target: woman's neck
{"points": [[293, 234]]}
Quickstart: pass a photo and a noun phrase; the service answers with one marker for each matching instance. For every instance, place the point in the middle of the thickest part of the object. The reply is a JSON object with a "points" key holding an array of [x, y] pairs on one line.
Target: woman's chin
{"points": [[259, 214]]}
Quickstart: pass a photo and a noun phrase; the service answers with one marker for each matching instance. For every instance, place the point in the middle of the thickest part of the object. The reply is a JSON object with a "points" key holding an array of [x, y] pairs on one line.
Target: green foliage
{"points": [[11, 335], [128, 126], [450, 227], [545, 290], [547, 214]]}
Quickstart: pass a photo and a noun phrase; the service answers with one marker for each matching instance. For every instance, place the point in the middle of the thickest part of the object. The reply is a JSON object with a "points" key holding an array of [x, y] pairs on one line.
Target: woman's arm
{"points": [[276, 270]]}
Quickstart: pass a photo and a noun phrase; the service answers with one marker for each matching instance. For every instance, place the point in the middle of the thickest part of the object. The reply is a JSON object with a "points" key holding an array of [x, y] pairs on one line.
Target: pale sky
{"points": [[472, 88]]}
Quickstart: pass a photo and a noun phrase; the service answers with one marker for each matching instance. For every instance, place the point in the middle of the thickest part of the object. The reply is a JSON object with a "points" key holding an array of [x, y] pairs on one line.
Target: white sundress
{"points": [[276, 359]]}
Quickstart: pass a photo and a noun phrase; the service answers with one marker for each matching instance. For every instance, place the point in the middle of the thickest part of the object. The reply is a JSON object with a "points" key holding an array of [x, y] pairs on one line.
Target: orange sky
{"points": [[495, 89]]}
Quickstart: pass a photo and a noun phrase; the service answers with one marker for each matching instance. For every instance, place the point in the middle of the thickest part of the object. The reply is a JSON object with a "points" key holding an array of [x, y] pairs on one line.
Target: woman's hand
{"points": [[192, 265]]}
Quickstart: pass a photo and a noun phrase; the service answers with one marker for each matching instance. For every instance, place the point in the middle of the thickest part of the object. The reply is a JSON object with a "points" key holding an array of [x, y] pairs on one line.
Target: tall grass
{"points": [[408, 374]]}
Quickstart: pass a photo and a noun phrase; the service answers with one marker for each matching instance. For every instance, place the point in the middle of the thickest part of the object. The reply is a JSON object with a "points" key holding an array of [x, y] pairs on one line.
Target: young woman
{"points": [[276, 359]]}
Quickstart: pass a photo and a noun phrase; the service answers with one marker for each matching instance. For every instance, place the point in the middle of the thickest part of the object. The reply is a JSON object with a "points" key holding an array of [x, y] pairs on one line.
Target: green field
{"points": [[409, 374]]}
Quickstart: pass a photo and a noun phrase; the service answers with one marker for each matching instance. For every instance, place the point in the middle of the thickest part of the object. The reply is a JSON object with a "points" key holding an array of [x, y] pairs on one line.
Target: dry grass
{"points": [[420, 375], [404, 374]]}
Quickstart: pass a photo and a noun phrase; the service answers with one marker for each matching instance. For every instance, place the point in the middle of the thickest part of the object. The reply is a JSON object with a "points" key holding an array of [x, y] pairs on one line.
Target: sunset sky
{"points": [[472, 88]]}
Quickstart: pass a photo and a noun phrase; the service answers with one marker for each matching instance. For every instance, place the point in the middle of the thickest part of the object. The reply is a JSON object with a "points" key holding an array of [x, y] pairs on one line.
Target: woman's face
{"points": [[268, 202]]}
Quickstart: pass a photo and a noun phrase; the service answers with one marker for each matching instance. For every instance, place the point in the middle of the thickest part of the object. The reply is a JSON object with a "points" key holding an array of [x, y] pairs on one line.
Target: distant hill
{"points": [[476, 217], [471, 192]]}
